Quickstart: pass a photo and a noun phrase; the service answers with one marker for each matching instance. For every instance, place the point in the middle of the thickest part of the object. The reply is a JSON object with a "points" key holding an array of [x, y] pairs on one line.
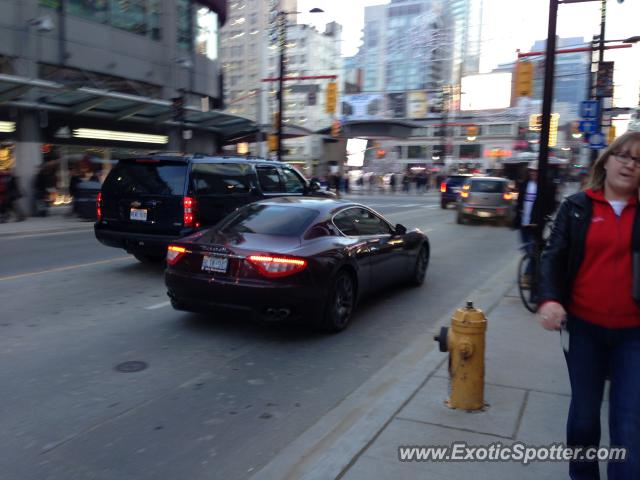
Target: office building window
{"points": [[137, 16], [207, 33], [98, 10], [183, 24], [130, 15]]}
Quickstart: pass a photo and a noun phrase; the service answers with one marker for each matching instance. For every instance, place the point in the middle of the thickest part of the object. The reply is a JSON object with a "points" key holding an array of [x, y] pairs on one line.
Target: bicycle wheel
{"points": [[526, 283]]}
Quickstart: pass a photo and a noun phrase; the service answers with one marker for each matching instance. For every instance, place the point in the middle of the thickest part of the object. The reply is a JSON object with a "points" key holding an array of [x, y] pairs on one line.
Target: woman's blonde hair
{"points": [[598, 173]]}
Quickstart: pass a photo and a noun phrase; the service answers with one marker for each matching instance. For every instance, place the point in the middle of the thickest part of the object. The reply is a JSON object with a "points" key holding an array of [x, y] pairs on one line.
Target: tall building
{"points": [[407, 45], [309, 53], [570, 85], [244, 51], [94, 80], [467, 29]]}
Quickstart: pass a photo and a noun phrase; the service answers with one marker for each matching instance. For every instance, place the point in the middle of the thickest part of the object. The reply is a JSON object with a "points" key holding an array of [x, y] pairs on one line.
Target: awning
{"points": [[375, 129], [288, 131], [36, 94]]}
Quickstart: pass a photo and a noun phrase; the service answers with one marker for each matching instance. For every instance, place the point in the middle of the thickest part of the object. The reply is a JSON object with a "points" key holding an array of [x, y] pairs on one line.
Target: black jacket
{"points": [[522, 190], [564, 252]]}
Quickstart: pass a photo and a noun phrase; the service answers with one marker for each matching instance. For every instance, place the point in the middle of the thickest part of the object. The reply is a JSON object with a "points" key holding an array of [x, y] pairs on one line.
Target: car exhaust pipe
{"points": [[283, 313]]}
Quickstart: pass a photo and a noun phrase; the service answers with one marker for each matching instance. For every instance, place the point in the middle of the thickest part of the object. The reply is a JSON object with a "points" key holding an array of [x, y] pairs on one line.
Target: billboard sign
{"points": [[397, 105], [417, 104], [488, 91], [362, 106]]}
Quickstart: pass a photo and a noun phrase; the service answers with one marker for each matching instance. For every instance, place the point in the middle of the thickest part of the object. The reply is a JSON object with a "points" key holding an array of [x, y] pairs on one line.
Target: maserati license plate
{"points": [[214, 264]]}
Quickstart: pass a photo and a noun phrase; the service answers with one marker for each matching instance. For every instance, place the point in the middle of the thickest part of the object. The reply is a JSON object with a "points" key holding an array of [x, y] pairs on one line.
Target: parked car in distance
{"points": [[148, 202], [486, 198], [299, 259], [450, 188]]}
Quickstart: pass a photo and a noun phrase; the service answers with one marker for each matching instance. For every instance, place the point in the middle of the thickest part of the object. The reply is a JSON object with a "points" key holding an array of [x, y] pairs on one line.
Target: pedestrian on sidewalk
{"points": [[11, 195], [527, 209], [590, 280]]}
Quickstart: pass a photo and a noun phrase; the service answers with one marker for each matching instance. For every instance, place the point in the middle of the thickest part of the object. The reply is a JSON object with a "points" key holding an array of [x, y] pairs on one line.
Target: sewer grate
{"points": [[131, 366]]}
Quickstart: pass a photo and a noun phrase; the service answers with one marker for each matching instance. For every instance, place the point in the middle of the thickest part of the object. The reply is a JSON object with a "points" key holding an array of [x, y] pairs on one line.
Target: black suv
{"points": [[451, 187], [147, 202]]}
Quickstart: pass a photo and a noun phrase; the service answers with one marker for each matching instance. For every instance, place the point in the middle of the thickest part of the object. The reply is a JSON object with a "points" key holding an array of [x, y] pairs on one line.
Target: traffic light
{"points": [[272, 142], [553, 129], [535, 122], [472, 131], [332, 97], [335, 128], [524, 79], [611, 135], [276, 120]]}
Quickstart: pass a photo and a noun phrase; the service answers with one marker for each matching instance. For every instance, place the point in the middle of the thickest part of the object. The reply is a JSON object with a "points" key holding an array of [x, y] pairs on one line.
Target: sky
{"points": [[509, 25]]}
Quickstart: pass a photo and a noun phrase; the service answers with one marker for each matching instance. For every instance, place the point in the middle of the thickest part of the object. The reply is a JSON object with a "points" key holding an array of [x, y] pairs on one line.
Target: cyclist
{"points": [[527, 209]]}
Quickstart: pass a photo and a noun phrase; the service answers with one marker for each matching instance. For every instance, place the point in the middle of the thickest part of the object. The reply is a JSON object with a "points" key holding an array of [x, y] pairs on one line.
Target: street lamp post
{"points": [[282, 45]]}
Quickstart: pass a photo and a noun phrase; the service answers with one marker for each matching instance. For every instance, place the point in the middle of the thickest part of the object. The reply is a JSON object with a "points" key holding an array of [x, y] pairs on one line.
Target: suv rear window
{"points": [[221, 178], [142, 177], [487, 186], [456, 181], [270, 220]]}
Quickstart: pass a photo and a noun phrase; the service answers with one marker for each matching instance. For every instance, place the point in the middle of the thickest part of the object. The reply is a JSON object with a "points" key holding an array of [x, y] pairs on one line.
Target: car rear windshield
{"points": [[146, 177], [487, 186], [455, 181], [270, 220]]}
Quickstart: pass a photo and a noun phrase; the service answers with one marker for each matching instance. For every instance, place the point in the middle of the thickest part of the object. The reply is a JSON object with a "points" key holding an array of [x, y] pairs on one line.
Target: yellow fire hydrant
{"points": [[465, 342]]}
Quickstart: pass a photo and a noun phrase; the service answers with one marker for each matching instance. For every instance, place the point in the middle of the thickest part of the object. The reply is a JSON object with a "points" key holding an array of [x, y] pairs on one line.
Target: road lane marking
{"points": [[158, 305], [11, 236], [62, 269]]}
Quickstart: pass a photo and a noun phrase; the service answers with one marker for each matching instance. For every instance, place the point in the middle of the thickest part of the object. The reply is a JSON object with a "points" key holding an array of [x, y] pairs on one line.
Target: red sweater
{"points": [[602, 288]]}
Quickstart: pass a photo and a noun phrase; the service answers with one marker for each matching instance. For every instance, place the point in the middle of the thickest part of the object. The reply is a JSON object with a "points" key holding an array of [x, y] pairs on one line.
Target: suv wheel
{"points": [[443, 204]]}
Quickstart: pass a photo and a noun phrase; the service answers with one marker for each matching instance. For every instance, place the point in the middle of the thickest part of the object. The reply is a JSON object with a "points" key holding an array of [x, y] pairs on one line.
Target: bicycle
{"points": [[528, 283]]}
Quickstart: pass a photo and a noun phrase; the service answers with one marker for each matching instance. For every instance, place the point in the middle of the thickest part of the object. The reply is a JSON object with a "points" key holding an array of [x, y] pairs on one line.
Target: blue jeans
{"points": [[594, 352]]}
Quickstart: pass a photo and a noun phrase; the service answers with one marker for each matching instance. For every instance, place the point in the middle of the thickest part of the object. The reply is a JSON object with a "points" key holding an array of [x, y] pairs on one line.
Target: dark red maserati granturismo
{"points": [[299, 259]]}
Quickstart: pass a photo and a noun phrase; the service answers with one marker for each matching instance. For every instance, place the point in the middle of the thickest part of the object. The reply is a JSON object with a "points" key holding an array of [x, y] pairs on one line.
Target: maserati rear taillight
{"points": [[277, 265], [99, 206], [189, 212], [174, 254]]}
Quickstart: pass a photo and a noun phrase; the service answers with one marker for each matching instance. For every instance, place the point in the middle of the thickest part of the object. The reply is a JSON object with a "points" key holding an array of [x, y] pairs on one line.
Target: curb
{"points": [[330, 447]]}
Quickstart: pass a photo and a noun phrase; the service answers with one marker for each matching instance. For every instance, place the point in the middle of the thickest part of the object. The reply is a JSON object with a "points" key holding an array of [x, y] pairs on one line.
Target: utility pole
{"points": [[547, 103], [282, 43], [603, 18]]}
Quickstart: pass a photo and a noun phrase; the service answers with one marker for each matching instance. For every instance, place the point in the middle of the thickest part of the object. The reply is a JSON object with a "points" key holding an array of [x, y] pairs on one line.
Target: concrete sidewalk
{"points": [[58, 220], [526, 387]]}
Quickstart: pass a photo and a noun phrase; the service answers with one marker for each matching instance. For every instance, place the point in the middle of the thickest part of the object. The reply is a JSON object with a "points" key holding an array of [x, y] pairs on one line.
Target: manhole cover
{"points": [[132, 366]]}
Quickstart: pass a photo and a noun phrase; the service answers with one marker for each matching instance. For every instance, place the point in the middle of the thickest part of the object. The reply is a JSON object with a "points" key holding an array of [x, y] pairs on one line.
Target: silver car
{"points": [[486, 198]]}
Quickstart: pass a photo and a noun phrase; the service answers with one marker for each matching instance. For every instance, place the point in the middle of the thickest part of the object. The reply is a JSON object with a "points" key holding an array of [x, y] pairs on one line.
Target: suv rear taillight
{"points": [[189, 212], [443, 187], [507, 196], [99, 206], [174, 254], [278, 265]]}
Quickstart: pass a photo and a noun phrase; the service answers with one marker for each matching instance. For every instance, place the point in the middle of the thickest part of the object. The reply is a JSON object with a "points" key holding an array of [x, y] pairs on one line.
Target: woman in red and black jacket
{"points": [[590, 282]]}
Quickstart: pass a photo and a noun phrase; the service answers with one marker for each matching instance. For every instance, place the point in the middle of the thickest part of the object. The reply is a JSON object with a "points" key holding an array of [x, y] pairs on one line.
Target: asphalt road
{"points": [[219, 397]]}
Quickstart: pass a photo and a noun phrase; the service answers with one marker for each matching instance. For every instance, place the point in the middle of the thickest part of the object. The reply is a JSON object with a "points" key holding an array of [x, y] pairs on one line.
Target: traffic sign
{"points": [[588, 126], [596, 141], [589, 109]]}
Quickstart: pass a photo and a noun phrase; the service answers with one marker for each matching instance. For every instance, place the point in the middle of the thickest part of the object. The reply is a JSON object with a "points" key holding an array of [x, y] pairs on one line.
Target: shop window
{"points": [[417, 151]]}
